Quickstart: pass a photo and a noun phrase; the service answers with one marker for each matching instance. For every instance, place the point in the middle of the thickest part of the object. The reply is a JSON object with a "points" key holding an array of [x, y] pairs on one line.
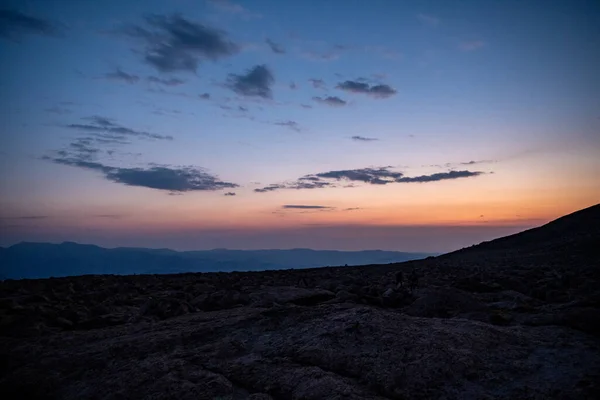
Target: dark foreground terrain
{"points": [[516, 318]]}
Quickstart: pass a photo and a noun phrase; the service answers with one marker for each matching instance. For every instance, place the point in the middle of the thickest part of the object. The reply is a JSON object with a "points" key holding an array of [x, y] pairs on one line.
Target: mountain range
{"points": [[44, 260]]}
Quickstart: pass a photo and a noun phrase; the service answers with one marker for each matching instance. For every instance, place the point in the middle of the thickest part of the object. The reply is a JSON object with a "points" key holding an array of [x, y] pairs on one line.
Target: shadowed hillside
{"points": [[573, 235]]}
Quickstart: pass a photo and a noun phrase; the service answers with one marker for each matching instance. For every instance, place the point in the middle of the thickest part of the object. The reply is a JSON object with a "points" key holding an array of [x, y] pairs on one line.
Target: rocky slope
{"points": [[498, 322]]}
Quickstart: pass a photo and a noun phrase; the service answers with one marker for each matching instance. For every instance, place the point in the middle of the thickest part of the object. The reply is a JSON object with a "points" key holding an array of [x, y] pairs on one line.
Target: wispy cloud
{"points": [[373, 176], [471, 45], [105, 127], [293, 125], [428, 19], [172, 43], [333, 101], [233, 8], [304, 207], [229, 194], [275, 47], [363, 139], [120, 75], [257, 82], [377, 91], [317, 83], [205, 96], [15, 24], [165, 82], [28, 217]]}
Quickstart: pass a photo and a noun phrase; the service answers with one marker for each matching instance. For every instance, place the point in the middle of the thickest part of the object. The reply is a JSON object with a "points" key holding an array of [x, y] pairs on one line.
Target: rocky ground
{"points": [[498, 323], [349, 332]]}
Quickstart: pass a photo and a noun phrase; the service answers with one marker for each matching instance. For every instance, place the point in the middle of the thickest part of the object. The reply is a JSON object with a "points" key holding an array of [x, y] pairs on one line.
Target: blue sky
{"points": [[138, 116]]}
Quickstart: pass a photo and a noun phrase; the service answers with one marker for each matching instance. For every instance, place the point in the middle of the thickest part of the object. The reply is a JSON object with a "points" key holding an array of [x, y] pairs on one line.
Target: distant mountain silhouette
{"points": [[575, 235], [43, 260]]}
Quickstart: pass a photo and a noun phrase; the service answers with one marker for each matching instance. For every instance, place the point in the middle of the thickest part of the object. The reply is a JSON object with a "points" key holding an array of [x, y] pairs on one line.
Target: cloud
{"points": [[333, 101], [173, 43], [205, 96], [377, 91], [377, 176], [372, 176], [478, 162], [120, 75], [293, 86], [428, 19], [440, 176], [330, 55], [275, 48], [293, 125], [233, 8], [471, 45], [58, 110], [229, 194], [304, 207], [307, 106], [107, 129], [28, 217], [317, 83], [363, 139], [14, 25], [166, 82], [256, 82], [172, 179]]}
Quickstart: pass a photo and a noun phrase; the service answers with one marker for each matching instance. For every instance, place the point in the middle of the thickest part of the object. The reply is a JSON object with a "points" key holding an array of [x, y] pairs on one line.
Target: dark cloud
{"points": [[107, 129], [293, 125], [440, 176], [293, 86], [256, 82], [377, 91], [205, 96], [172, 179], [333, 101], [229, 194], [317, 83], [173, 43], [28, 217], [14, 25], [477, 162], [269, 188], [373, 176], [120, 75], [109, 216], [305, 207], [363, 139], [376, 176], [352, 209], [166, 82], [275, 48]]}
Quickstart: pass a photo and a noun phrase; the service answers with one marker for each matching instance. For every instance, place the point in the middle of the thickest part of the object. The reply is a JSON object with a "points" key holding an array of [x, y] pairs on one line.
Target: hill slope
{"points": [[575, 235]]}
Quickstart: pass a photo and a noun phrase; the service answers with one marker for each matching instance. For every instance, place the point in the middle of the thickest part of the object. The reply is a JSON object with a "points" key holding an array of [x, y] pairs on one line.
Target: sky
{"points": [[327, 124]]}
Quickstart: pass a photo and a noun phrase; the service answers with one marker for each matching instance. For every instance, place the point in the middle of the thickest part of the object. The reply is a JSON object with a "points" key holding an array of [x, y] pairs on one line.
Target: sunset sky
{"points": [[328, 124]]}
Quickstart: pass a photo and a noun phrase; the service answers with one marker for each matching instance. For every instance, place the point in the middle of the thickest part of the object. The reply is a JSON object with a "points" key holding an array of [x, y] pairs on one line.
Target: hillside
{"points": [[576, 234], [515, 318]]}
